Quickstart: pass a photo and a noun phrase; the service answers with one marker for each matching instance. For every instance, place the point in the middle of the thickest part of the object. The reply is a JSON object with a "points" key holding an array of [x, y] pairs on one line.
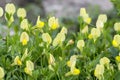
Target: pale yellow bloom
{"points": [[95, 33], [82, 11], [58, 39], [98, 72], [71, 64], [63, 30], [99, 24], [46, 38], [39, 23], [29, 67], [102, 17], [85, 16], [10, 8], [117, 26], [53, 23], [80, 44], [24, 38], [24, 24], [116, 40], [2, 74], [17, 61], [85, 30], [104, 61], [21, 12], [51, 62], [118, 66], [1, 12], [24, 55]]}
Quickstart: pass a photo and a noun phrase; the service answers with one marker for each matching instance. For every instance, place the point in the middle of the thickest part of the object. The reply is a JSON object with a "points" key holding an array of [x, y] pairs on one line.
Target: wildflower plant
{"points": [[46, 51]]}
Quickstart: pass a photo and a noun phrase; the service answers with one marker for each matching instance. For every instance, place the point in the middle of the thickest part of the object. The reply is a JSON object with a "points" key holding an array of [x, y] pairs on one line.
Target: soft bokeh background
{"points": [[66, 10]]}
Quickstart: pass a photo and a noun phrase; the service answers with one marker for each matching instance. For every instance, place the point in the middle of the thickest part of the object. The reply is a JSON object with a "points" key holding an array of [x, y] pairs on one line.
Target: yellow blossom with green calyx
{"points": [[63, 30], [24, 55], [80, 44], [17, 61], [117, 58], [116, 40], [21, 12], [53, 23], [10, 8], [2, 74], [29, 67], [24, 38], [39, 23], [46, 38], [58, 39], [1, 11], [117, 26], [24, 24], [90, 36], [99, 71]]}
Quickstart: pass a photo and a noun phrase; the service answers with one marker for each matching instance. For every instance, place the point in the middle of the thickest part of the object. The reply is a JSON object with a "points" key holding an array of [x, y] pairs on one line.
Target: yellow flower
{"points": [[39, 23], [117, 58], [24, 38], [58, 39], [1, 12], [117, 26], [17, 61], [29, 67], [85, 30], [51, 62], [46, 38], [80, 44], [76, 72], [63, 30], [104, 61], [116, 41], [90, 36], [70, 42], [82, 11], [24, 55], [99, 70], [21, 12], [53, 23], [99, 24], [24, 24], [95, 33], [85, 16], [2, 74], [10, 8], [102, 17], [71, 64]]}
